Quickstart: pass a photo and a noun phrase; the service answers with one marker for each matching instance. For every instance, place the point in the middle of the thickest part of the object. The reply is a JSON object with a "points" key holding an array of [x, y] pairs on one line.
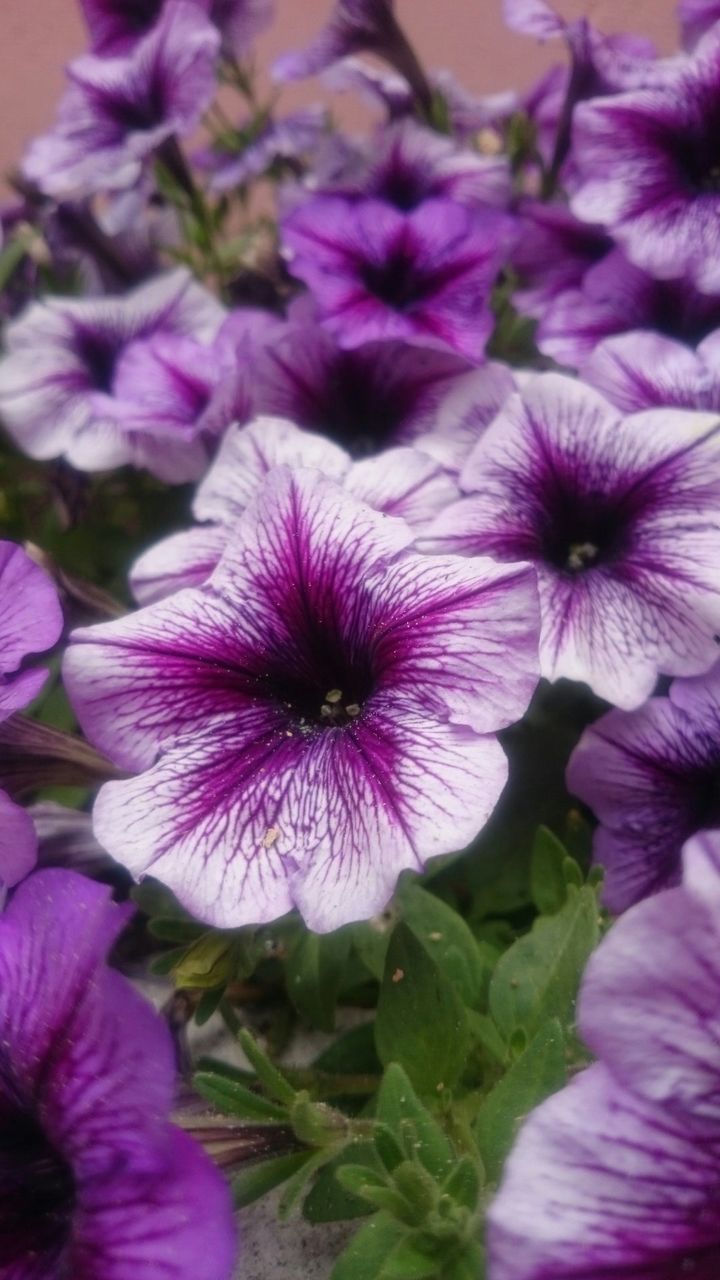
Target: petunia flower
{"points": [[94, 1181], [378, 395], [287, 139], [354, 26], [640, 370], [621, 519], [379, 274], [119, 110], [613, 296], [109, 381], [116, 26], [31, 621], [650, 777], [618, 1175], [399, 482], [648, 171], [317, 717]]}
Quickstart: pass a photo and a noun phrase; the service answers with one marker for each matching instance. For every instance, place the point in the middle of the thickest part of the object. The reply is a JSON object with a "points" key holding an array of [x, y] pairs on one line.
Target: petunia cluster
{"points": [[361, 514]]}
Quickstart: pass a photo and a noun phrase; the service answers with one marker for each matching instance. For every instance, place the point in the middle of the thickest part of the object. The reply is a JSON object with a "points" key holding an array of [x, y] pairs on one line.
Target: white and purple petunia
{"points": [[402, 482], [117, 111], [317, 717], [31, 621], [95, 1183], [652, 778], [618, 1175], [621, 517], [116, 26], [648, 168], [640, 370], [369, 398], [354, 26], [379, 274], [289, 138], [697, 17], [116, 380]]}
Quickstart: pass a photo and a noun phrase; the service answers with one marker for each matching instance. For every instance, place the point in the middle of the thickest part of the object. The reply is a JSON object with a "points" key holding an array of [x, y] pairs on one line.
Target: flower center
{"points": [[99, 353], [356, 407], [582, 533], [401, 186], [37, 1192], [397, 282]]}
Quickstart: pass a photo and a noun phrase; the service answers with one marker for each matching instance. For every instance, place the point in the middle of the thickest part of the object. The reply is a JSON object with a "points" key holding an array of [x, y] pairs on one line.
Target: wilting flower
{"points": [[94, 1181], [696, 18], [650, 777], [110, 381], [618, 1175], [118, 111], [621, 519], [316, 718], [288, 139], [30, 621], [378, 395], [647, 164], [613, 297], [355, 25], [640, 370], [399, 482], [379, 274]]}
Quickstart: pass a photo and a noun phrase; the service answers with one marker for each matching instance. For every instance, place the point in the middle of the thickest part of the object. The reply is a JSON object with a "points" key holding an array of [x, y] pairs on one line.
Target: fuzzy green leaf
{"points": [[540, 1071]]}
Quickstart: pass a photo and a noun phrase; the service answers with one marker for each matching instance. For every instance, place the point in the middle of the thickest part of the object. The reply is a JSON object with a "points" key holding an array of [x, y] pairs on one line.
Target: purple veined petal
{"points": [[466, 412], [533, 18], [701, 867], [354, 26], [697, 17], [282, 711], [289, 138], [246, 457], [103, 444], [601, 506], [65, 839], [240, 21], [115, 26], [31, 619], [141, 1228], [405, 483], [118, 110], [184, 559], [648, 775], [654, 1027], [642, 370], [18, 844], [603, 1184]]}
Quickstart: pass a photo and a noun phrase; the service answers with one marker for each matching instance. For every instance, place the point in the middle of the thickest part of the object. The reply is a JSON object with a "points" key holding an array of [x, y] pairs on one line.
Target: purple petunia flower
{"points": [[399, 482], [31, 620], [110, 381], [613, 297], [118, 111], [377, 274], [94, 1181], [696, 18], [640, 370], [621, 518], [378, 395], [648, 168], [618, 1175], [406, 164], [650, 777], [315, 719], [116, 26], [552, 255]]}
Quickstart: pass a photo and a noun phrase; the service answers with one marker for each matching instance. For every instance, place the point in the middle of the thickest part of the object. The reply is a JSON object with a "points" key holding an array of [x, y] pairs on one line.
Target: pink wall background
{"points": [[38, 36]]}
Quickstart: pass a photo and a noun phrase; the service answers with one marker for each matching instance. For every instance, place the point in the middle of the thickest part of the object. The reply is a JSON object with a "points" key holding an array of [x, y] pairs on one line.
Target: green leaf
{"points": [[328, 1200], [315, 973], [207, 1005], [421, 1021], [547, 879], [538, 977], [400, 1109], [447, 939], [371, 940], [406, 1262], [352, 1053], [234, 1099], [463, 1183], [208, 962], [540, 1071], [369, 1249], [171, 929], [275, 1083], [252, 1184], [297, 1182]]}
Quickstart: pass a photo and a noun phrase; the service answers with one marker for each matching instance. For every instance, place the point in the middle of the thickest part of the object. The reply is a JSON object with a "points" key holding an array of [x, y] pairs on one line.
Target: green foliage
{"points": [[539, 1071]]}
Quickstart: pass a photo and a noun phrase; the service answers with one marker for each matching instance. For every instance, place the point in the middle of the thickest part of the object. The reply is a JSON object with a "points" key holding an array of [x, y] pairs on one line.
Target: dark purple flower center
{"points": [[350, 404], [697, 155], [328, 680], [135, 112], [326, 699], [580, 532], [37, 1192], [401, 186], [397, 281], [99, 353], [135, 17]]}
